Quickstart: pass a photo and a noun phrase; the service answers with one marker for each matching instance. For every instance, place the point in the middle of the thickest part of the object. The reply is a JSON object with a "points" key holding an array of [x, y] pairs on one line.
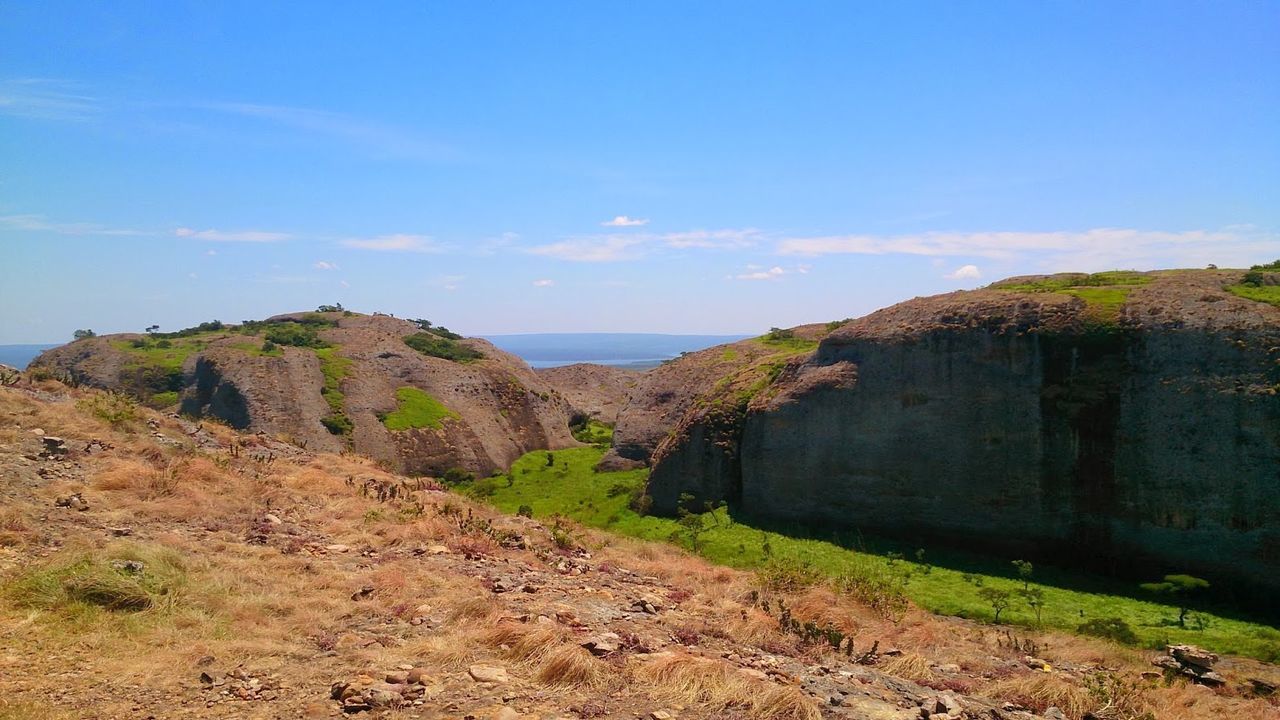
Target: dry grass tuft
{"points": [[477, 607], [1039, 691], [571, 666], [522, 642], [716, 686], [910, 666]]}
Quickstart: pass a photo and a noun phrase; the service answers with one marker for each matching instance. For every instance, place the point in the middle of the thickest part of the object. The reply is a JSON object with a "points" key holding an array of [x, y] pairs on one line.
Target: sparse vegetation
{"points": [[1178, 588], [435, 345], [784, 339], [1104, 293], [111, 407], [335, 368], [83, 334], [593, 432], [570, 486], [418, 409]]}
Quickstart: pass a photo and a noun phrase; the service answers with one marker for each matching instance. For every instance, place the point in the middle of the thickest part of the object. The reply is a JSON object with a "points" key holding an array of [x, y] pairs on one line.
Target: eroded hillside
{"points": [[417, 398], [1127, 421], [157, 567]]}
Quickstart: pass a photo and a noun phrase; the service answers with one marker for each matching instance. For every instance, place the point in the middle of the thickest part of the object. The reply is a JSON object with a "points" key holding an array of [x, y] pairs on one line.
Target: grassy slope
{"points": [[1104, 293], [1266, 293], [417, 410], [572, 488]]}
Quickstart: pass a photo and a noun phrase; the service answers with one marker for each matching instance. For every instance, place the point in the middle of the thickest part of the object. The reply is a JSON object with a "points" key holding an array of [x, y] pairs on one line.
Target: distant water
{"points": [[20, 356], [639, 351]]}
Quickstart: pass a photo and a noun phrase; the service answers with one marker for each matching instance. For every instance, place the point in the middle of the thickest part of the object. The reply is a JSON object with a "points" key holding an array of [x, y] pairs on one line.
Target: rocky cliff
{"points": [[340, 385], [1129, 421]]}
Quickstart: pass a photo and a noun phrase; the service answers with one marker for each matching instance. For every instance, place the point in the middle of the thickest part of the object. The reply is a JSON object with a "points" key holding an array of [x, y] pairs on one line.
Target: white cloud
{"points": [[1100, 248], [606, 248], [395, 243], [964, 272], [38, 223], [448, 282], [712, 238], [624, 221], [543, 283], [250, 236], [211, 252], [774, 273], [344, 283], [325, 265], [193, 276]]}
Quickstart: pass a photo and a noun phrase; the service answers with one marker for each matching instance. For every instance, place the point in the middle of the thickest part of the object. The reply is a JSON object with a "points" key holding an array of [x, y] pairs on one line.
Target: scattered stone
{"points": [[54, 445], [417, 676], [1054, 713], [661, 715], [130, 567], [337, 548], [272, 519], [437, 550], [73, 501], [603, 644], [506, 713], [363, 593], [397, 678], [488, 673], [1191, 662], [1192, 655], [121, 531]]}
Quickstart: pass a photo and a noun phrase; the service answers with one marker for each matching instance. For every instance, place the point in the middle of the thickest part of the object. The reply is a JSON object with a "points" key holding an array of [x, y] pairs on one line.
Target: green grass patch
{"points": [[943, 582], [1104, 293], [125, 587], [417, 410], [259, 349], [335, 369], [1269, 294], [163, 353], [786, 341], [729, 355], [594, 432], [433, 345], [164, 399]]}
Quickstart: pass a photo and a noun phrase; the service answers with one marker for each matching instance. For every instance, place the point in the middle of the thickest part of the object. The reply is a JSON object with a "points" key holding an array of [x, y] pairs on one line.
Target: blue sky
{"points": [[605, 166]]}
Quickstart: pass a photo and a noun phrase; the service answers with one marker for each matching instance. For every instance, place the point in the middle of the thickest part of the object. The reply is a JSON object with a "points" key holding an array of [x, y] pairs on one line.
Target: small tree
{"points": [[1177, 588], [82, 334], [998, 598], [1024, 569], [152, 329], [1035, 600]]}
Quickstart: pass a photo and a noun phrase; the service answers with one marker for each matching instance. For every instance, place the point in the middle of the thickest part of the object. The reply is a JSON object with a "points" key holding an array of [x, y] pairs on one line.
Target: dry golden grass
{"points": [[910, 666], [1040, 690], [571, 666], [713, 685]]}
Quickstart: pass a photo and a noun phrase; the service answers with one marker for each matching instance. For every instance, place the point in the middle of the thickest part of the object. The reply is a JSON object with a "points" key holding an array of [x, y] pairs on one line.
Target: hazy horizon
{"points": [[665, 167]]}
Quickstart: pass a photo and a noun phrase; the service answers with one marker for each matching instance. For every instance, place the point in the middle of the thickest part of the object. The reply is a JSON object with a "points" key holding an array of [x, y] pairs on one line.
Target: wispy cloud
{"points": [[624, 221], [1088, 249], [246, 236], [395, 243], [606, 248], [543, 283], [325, 265], [964, 272], [614, 247], [382, 139], [38, 223], [448, 282], [777, 272], [712, 238], [46, 99]]}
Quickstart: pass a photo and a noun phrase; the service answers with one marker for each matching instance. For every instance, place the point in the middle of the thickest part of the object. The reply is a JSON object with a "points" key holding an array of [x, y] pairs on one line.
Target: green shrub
{"points": [[164, 399], [525, 511], [457, 476], [433, 345], [787, 574], [1112, 628], [295, 334], [112, 407], [618, 489], [338, 424]]}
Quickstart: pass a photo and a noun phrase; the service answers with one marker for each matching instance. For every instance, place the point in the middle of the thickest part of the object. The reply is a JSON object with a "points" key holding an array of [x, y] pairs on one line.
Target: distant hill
{"points": [[637, 350], [20, 356]]}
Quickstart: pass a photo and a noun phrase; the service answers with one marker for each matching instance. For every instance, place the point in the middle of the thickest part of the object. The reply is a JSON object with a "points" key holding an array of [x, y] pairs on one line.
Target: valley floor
{"points": [[153, 567]]}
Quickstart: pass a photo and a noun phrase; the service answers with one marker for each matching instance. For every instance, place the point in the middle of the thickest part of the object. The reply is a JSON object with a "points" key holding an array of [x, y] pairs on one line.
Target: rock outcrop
{"points": [[1136, 429], [336, 396], [596, 392]]}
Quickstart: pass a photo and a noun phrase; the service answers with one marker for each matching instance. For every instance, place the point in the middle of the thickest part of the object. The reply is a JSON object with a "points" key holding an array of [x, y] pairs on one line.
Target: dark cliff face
{"points": [[1022, 423]]}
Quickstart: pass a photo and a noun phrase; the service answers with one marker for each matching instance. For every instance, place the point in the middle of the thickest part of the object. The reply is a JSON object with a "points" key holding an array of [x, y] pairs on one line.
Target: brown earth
{"points": [[1021, 423], [207, 573], [593, 391], [503, 409]]}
